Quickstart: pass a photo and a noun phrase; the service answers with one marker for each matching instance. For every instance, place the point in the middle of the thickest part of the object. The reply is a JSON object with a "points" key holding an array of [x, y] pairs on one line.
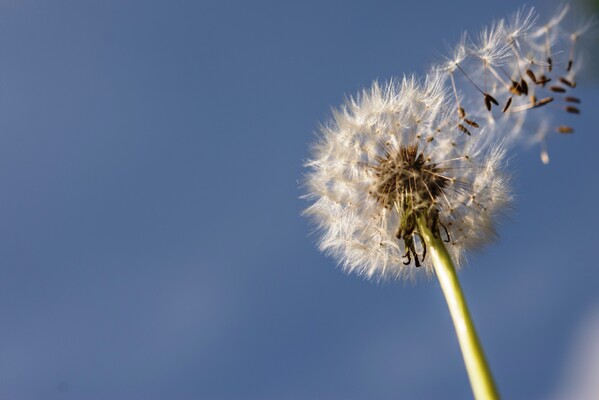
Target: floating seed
{"points": [[490, 99], [514, 88], [568, 82], [463, 129], [565, 129], [570, 99], [507, 105], [544, 101], [523, 86], [471, 123], [557, 89], [572, 110], [543, 80], [519, 88], [531, 75]]}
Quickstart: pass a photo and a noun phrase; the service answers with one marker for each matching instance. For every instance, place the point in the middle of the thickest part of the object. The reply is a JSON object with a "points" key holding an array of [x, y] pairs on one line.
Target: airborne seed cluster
{"points": [[513, 67]]}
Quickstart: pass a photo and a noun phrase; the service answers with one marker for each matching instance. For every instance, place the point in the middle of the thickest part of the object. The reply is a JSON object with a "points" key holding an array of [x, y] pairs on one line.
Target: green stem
{"points": [[479, 373]]}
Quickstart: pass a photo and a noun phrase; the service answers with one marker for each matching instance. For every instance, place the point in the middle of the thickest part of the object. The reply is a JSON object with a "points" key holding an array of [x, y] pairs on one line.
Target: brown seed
{"points": [[550, 64], [461, 112], [565, 129], [463, 129], [572, 110], [470, 122], [507, 105], [514, 89], [490, 99], [543, 80], [519, 88], [544, 101], [523, 86], [531, 75], [569, 66], [565, 81], [570, 99], [557, 89]]}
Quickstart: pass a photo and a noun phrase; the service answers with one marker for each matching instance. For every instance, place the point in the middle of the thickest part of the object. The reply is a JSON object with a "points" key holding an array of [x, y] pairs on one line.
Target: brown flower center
{"points": [[409, 182]]}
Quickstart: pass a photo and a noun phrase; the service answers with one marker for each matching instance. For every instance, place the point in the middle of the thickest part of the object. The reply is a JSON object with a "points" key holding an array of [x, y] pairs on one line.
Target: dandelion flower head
{"points": [[390, 156]]}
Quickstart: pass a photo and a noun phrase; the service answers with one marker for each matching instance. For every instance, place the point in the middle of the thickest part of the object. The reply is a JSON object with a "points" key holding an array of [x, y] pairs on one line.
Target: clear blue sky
{"points": [[150, 239]]}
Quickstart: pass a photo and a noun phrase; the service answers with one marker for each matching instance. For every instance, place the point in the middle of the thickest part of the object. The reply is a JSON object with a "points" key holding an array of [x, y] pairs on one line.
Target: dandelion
{"points": [[409, 175], [391, 156], [393, 177]]}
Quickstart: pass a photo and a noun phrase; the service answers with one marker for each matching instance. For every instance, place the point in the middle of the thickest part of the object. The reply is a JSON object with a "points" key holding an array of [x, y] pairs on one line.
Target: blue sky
{"points": [[151, 244]]}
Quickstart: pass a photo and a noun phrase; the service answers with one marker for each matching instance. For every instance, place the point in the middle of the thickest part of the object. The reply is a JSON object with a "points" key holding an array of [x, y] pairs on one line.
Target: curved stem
{"points": [[479, 373]]}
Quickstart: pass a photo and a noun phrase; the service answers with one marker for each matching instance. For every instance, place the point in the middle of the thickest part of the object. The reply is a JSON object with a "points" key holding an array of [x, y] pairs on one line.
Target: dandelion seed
{"points": [[471, 123], [544, 101], [565, 129], [464, 129], [567, 82], [557, 89], [531, 75], [507, 105]]}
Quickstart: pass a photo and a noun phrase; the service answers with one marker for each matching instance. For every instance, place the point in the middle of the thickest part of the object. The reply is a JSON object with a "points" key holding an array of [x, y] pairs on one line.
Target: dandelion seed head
{"points": [[392, 155]]}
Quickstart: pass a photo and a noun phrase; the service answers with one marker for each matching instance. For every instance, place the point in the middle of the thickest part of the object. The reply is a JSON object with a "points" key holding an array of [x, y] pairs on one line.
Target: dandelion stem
{"points": [[478, 370]]}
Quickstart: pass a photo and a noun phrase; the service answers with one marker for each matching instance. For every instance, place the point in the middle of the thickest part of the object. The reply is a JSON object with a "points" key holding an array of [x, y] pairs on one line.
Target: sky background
{"points": [[151, 243]]}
